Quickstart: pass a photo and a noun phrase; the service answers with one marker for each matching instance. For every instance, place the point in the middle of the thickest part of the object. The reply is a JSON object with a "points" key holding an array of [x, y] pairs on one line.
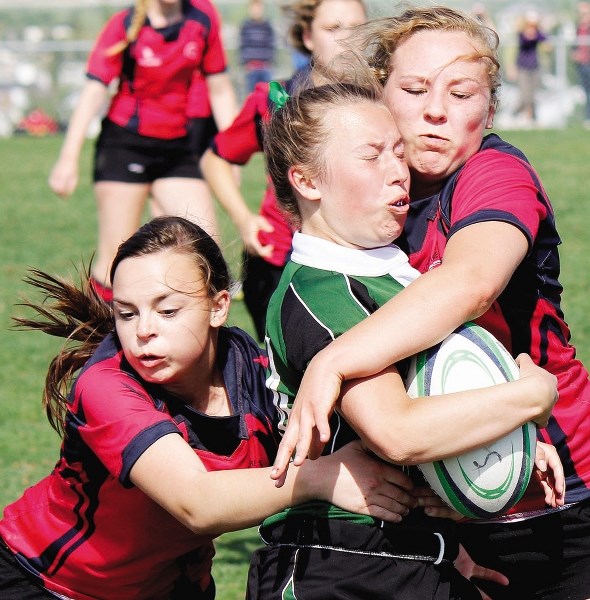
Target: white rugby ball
{"points": [[485, 482]]}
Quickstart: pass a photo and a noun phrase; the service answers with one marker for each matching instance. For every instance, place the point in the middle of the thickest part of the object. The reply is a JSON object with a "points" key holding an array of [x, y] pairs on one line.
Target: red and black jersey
{"points": [[498, 184], [241, 140], [155, 72], [85, 530]]}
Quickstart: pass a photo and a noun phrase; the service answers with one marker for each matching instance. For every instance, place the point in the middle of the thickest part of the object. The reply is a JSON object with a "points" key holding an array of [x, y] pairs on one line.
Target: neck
{"points": [[162, 15], [423, 189]]}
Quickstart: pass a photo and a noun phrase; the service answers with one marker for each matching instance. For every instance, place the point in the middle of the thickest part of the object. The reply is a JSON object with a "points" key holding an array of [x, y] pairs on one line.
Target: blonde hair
{"points": [[139, 15], [302, 13], [378, 39]]}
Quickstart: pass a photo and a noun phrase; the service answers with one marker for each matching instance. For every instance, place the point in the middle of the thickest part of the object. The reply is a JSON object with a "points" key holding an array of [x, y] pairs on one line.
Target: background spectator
{"points": [[581, 54], [257, 45], [527, 64]]}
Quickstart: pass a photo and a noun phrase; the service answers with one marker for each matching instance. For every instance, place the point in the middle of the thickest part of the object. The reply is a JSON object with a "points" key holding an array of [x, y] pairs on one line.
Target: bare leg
{"points": [[184, 197], [120, 208]]}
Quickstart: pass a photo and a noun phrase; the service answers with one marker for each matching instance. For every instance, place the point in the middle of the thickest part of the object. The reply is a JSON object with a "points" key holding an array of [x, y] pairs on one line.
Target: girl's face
{"points": [[441, 104], [361, 198], [331, 23], [166, 321]]}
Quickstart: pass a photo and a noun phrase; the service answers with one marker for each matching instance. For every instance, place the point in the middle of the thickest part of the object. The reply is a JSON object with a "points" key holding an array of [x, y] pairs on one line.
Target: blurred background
{"points": [[44, 45]]}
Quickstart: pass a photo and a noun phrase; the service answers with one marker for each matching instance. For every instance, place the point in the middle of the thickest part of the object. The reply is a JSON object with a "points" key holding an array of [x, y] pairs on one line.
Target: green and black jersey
{"points": [[325, 290]]}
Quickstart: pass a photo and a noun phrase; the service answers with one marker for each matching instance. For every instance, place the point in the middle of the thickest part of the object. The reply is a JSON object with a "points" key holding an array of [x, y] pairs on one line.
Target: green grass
{"points": [[38, 229]]}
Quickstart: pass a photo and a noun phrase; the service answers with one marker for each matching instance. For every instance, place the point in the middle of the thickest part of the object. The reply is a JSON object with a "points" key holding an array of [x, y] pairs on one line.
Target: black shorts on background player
{"points": [[125, 156]]}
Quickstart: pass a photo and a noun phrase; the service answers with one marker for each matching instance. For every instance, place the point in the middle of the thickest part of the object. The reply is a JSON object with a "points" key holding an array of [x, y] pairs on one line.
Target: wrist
{"points": [[308, 481]]}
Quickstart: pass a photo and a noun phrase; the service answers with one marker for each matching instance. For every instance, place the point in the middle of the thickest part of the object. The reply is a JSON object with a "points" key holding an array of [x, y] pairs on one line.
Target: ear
{"points": [[303, 185], [306, 39], [220, 308], [490, 118]]}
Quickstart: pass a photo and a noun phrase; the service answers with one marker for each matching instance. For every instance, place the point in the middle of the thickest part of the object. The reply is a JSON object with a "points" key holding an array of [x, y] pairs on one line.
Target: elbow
{"points": [[480, 297], [200, 524], [397, 449]]}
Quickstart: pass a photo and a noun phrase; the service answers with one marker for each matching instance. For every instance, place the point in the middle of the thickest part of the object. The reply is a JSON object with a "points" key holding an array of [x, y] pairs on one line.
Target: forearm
{"points": [[220, 178], [224, 104], [439, 427], [419, 317], [232, 500], [90, 103], [404, 430]]}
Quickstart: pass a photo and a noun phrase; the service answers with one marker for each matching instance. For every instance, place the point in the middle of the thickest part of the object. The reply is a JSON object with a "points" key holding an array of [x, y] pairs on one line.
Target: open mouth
{"points": [[150, 360]]}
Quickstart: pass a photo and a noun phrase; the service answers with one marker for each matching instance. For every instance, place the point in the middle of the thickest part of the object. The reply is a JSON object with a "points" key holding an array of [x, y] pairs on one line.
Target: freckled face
{"points": [[441, 103], [364, 191]]}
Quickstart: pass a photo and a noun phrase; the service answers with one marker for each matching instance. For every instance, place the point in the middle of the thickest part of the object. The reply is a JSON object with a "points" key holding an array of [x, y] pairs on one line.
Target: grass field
{"points": [[38, 229]]}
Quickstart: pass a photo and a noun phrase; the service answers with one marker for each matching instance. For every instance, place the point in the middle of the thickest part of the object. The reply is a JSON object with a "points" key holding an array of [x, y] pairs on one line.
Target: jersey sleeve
{"points": [[117, 419], [100, 66], [495, 186], [214, 59], [242, 138]]}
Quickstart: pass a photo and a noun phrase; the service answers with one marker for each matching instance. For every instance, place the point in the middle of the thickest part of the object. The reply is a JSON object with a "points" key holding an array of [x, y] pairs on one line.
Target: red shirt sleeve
{"points": [[118, 418], [495, 186], [100, 66], [240, 140]]}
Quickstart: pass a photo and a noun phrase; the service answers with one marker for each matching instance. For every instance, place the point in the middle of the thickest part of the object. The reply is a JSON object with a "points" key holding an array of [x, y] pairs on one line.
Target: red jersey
{"points": [[498, 184], [155, 72], [239, 142], [85, 530]]}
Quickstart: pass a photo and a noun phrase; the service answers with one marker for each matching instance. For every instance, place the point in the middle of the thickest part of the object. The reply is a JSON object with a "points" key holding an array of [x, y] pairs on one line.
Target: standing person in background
{"points": [[257, 45], [155, 50], [528, 68], [482, 231], [581, 55], [316, 28], [166, 418]]}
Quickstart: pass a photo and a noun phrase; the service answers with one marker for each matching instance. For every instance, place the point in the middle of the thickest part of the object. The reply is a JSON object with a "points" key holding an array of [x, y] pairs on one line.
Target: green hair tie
{"points": [[277, 94]]}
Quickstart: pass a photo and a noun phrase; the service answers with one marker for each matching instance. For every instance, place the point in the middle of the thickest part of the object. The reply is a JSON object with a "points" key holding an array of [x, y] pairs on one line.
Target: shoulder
{"points": [[496, 153], [202, 9], [107, 373]]}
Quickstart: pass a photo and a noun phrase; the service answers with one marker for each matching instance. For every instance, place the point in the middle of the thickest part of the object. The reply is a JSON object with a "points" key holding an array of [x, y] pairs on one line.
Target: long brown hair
{"points": [[75, 312]]}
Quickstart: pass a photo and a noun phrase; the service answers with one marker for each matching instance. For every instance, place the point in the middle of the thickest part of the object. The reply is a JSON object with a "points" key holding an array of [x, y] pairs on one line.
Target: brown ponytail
{"points": [[73, 312]]}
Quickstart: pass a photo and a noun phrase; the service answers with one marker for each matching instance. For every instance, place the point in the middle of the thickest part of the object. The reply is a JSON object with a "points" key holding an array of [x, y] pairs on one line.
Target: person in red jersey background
{"points": [[316, 27], [163, 54]]}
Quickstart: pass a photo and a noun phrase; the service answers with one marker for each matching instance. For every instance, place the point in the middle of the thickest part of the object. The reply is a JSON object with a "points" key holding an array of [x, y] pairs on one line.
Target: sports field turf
{"points": [[38, 229]]}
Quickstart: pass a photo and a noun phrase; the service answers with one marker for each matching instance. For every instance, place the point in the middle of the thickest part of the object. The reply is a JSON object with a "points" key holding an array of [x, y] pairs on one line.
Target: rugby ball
{"points": [[485, 482]]}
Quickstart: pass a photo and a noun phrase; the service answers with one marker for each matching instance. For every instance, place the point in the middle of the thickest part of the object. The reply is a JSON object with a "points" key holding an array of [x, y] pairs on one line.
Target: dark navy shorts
{"points": [[123, 155]]}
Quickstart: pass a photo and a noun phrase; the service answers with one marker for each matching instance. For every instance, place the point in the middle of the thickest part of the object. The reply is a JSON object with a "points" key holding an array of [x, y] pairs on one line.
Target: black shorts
{"points": [[331, 559], [260, 279], [16, 583], [545, 558], [201, 132], [122, 155]]}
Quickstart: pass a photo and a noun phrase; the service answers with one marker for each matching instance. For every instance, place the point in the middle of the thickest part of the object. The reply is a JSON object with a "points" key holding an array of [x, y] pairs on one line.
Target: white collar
{"points": [[318, 253]]}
